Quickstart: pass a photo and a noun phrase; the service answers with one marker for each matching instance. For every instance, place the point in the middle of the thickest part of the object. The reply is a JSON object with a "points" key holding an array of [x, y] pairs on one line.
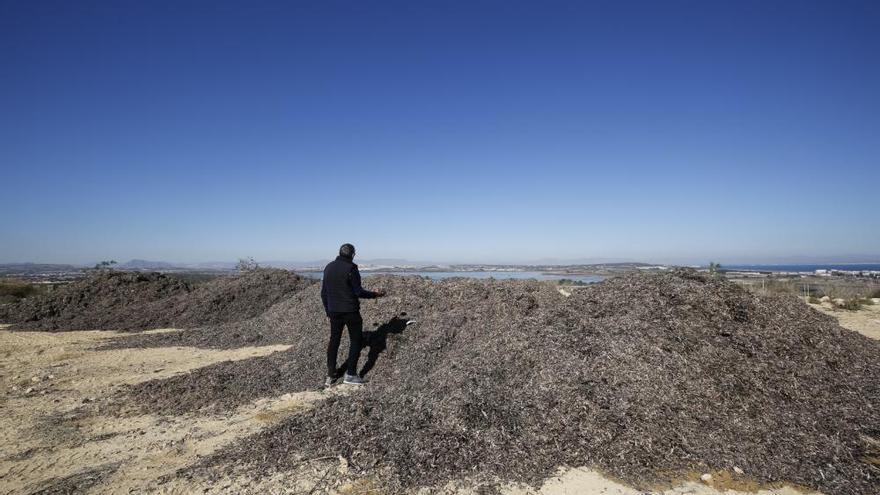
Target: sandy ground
{"points": [[47, 376], [46, 446], [866, 320]]}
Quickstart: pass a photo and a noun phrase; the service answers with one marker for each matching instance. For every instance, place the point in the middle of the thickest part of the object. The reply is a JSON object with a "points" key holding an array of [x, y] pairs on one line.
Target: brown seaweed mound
{"points": [[116, 300], [640, 376]]}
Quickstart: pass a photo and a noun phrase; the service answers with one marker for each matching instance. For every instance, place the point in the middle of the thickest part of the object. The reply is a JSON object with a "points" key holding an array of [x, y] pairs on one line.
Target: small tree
{"points": [[247, 264], [105, 265], [714, 268]]}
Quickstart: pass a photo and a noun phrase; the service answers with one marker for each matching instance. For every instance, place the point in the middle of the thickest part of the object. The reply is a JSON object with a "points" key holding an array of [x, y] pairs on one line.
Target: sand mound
{"points": [[137, 301], [642, 376]]}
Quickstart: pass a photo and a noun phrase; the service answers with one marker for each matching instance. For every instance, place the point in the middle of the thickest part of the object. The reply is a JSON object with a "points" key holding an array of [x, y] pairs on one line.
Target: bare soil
{"points": [[47, 445]]}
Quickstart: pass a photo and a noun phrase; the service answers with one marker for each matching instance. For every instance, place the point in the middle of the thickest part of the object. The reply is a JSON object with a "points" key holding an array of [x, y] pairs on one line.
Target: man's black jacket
{"points": [[341, 287]]}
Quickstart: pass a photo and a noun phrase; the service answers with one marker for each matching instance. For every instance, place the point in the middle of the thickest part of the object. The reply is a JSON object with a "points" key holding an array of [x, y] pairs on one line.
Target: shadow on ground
{"points": [[377, 340]]}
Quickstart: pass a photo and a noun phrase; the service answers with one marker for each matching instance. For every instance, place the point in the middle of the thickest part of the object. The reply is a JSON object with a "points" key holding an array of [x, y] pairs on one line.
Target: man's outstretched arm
{"points": [[359, 291]]}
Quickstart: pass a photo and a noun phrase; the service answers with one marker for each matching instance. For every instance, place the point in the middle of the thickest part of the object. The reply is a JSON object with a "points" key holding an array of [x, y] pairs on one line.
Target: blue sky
{"points": [[453, 131]]}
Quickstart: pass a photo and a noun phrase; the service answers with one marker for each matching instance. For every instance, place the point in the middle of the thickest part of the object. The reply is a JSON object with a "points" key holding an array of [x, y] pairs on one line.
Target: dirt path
{"points": [[46, 445]]}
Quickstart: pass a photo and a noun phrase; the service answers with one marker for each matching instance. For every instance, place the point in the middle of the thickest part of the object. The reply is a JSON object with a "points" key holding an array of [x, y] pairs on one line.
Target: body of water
{"points": [[857, 267], [496, 275]]}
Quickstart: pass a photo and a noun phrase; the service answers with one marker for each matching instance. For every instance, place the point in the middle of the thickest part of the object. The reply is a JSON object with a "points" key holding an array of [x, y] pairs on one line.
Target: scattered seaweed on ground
{"points": [[77, 483]]}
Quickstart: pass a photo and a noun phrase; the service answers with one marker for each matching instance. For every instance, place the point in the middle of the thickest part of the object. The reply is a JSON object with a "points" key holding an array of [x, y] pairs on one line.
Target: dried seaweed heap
{"points": [[298, 321], [118, 300], [641, 376]]}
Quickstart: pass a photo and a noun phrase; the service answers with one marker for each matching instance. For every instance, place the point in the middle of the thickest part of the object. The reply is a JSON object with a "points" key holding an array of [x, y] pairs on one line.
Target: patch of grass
{"points": [[813, 300]]}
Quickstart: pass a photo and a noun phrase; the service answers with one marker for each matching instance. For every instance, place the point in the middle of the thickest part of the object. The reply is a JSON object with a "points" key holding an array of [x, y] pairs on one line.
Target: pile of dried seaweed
{"points": [[298, 321], [99, 301], [117, 300], [640, 376]]}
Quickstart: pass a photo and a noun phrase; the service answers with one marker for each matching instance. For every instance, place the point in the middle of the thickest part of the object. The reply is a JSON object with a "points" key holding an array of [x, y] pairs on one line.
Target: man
{"points": [[340, 291]]}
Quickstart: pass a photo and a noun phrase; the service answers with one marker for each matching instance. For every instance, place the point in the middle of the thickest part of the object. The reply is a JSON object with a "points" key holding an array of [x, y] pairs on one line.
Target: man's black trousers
{"points": [[355, 334]]}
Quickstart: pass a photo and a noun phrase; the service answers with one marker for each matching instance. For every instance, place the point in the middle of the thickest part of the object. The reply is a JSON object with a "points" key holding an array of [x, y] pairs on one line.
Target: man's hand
{"points": [[380, 293]]}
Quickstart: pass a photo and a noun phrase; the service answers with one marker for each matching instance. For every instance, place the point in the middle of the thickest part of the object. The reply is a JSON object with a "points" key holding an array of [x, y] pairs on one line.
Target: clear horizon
{"points": [[479, 131]]}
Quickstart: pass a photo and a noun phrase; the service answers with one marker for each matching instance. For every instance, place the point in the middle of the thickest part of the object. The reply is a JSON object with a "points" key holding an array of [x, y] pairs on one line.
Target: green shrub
{"points": [[814, 300]]}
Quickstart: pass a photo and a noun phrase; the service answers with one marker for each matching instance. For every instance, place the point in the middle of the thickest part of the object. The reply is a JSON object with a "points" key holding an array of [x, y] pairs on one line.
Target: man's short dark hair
{"points": [[346, 251]]}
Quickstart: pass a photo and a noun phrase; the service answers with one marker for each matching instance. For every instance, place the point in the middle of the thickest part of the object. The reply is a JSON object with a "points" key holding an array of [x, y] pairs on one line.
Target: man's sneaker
{"points": [[339, 373], [353, 380], [330, 381]]}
